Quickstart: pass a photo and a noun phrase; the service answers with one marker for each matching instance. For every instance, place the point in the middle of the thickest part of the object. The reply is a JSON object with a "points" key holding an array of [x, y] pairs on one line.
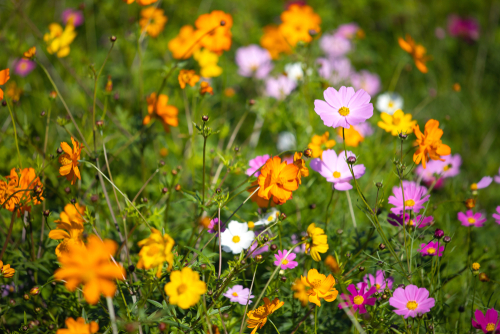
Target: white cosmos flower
{"points": [[389, 102], [268, 218], [295, 71], [236, 237], [286, 141]]}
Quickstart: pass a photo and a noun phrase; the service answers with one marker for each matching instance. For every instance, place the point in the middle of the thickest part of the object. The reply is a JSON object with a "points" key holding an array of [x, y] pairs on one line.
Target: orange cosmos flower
{"points": [[301, 165], [141, 2], [298, 21], [92, 267], [274, 42], [69, 228], [188, 77], [415, 50], [162, 111], [152, 21], [79, 326], [258, 317], [184, 44], [216, 31], [300, 292], [320, 143], [321, 287], [278, 179], [69, 161], [352, 136], [4, 77], [429, 142], [6, 271], [261, 202], [30, 53], [21, 190], [206, 88]]}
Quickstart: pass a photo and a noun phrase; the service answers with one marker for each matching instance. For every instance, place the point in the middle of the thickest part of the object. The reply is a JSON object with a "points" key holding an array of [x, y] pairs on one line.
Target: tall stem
{"points": [[351, 209], [203, 190], [8, 234], [112, 316], [327, 216], [15, 136], [220, 245]]}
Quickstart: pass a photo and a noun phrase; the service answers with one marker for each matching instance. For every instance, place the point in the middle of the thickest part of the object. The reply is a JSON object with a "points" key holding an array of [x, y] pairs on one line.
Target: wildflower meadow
{"points": [[249, 166]]}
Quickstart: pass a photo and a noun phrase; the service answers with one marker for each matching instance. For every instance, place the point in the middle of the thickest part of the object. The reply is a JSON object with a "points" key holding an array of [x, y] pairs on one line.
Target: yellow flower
{"points": [[475, 266], [155, 250], [58, 40], [69, 228], [92, 267], [78, 326], [301, 165], [352, 136], [300, 292], [298, 21], [320, 143], [69, 161], [188, 77], [6, 270], [208, 63], [397, 123], [321, 287], [258, 317], [332, 263], [317, 242], [141, 2], [185, 288], [152, 21]]}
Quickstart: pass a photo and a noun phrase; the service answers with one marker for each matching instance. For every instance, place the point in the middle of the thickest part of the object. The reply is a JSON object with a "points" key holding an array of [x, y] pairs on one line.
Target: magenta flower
{"points": [[411, 301], [347, 30], [488, 322], [483, 183], [72, 16], [279, 87], [344, 107], [414, 198], [238, 294], [466, 28], [335, 169], [369, 82], [252, 61], [358, 299], [431, 249], [255, 250], [335, 70], [379, 281], [497, 177], [255, 164], [24, 67], [287, 263], [335, 45], [496, 216], [214, 228], [471, 219], [420, 221]]}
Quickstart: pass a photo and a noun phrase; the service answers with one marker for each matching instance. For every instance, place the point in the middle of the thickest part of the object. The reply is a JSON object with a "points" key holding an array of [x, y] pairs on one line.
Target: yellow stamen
{"points": [[445, 168], [411, 305], [343, 111], [377, 286], [473, 186], [236, 239], [235, 294], [251, 224], [490, 327], [471, 220], [285, 262], [336, 174], [391, 104], [396, 121], [431, 250], [409, 202], [358, 300], [181, 288]]}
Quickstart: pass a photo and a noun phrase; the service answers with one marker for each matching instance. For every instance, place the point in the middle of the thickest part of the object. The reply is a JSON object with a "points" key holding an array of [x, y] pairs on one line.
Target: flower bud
{"points": [[4, 103], [483, 277], [99, 123], [162, 326], [204, 118], [236, 149], [361, 268], [164, 190], [53, 94], [113, 39], [461, 309], [67, 190], [266, 239], [402, 286], [382, 246], [351, 160], [35, 291], [258, 258], [384, 296], [131, 268], [42, 113], [379, 185], [178, 187], [59, 150], [438, 234], [340, 231], [470, 203], [222, 23], [94, 198], [73, 201], [312, 206], [283, 278], [403, 135], [203, 266], [447, 239], [12, 302], [312, 32], [38, 309], [308, 152], [26, 296], [274, 247], [251, 102], [348, 255], [282, 216], [476, 266]]}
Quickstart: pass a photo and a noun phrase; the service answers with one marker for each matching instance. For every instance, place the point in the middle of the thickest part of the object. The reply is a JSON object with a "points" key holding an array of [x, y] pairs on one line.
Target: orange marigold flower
{"points": [[91, 266], [184, 44], [430, 144], [321, 287], [79, 326], [162, 111], [4, 77], [415, 50], [352, 136], [258, 317], [320, 143], [261, 202], [298, 21], [274, 42], [69, 161], [188, 77], [30, 53], [278, 179], [152, 21], [216, 31], [69, 228], [206, 88], [6, 271], [301, 165]]}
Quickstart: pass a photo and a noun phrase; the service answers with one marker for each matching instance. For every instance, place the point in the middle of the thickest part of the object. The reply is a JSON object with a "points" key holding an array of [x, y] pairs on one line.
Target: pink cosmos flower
{"points": [[253, 60], [335, 45], [472, 219], [344, 107], [279, 87], [420, 221], [258, 251], [358, 299], [496, 216], [287, 263], [335, 70], [379, 281], [497, 177], [366, 80], [450, 167], [414, 198], [466, 28], [24, 67], [238, 294], [347, 30], [72, 16], [335, 169], [255, 164], [488, 322], [214, 228], [411, 301], [431, 249], [483, 183]]}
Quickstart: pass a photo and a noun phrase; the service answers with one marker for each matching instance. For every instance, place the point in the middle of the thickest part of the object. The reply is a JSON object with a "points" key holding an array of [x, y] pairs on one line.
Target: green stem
{"points": [[327, 216], [273, 325], [112, 316], [15, 136], [351, 209], [316, 320]]}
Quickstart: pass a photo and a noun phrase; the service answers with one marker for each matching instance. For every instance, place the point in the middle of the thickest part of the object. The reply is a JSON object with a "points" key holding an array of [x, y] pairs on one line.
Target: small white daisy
{"points": [[389, 103], [236, 237]]}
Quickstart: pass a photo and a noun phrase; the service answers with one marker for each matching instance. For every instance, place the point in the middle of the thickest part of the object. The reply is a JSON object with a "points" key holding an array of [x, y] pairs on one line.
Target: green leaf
{"points": [[155, 303]]}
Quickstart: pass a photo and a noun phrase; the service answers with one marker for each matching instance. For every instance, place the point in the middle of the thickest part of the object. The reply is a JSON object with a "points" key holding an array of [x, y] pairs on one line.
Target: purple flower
{"points": [[466, 28], [72, 16], [483, 183], [258, 250], [358, 299], [496, 216], [497, 177], [302, 248], [335, 45], [379, 281], [414, 198], [279, 87], [335, 169], [287, 263], [8, 289], [344, 107], [366, 80], [471, 219], [411, 301], [253, 60], [488, 322], [214, 228], [24, 67], [347, 30], [255, 164], [431, 249], [420, 221], [335, 70], [364, 129], [238, 294], [450, 167]]}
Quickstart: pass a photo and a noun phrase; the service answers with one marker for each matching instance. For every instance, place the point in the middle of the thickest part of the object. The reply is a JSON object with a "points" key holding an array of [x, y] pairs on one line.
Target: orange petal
{"points": [[4, 76]]}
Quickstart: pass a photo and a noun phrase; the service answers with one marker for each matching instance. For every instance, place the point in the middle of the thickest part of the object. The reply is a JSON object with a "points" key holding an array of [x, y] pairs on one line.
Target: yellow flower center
{"points": [[284, 262], [391, 104], [431, 250], [473, 186], [409, 202], [251, 224], [261, 311], [377, 286], [343, 111], [236, 239], [235, 294], [411, 305], [358, 300], [396, 121], [411, 223], [181, 289], [316, 283], [471, 220], [270, 218], [490, 327], [336, 174], [445, 168], [476, 266]]}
